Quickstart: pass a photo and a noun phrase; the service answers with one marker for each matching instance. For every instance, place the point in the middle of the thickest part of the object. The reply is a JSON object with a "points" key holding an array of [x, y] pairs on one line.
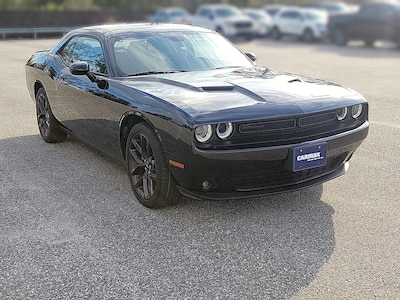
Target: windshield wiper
{"points": [[157, 72]]}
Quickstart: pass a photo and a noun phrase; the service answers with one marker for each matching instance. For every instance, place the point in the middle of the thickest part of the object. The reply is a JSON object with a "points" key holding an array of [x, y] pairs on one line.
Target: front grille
{"points": [[268, 126], [270, 174], [317, 119], [285, 131], [243, 25]]}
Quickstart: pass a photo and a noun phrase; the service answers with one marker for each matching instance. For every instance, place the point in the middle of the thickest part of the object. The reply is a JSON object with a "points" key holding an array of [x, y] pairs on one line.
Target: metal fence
{"points": [[34, 32]]}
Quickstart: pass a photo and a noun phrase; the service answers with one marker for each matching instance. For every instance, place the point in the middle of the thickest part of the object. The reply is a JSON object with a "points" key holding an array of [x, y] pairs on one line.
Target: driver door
{"points": [[80, 101]]}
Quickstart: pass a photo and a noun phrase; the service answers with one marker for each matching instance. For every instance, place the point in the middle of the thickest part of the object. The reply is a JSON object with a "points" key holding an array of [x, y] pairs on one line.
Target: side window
{"points": [[290, 15], [66, 51], [205, 13], [368, 11], [85, 49]]}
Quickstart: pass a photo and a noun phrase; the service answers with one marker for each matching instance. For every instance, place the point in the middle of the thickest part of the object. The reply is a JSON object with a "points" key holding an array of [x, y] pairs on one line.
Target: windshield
{"points": [[178, 13], [332, 7], [227, 12], [258, 15], [317, 16], [167, 52]]}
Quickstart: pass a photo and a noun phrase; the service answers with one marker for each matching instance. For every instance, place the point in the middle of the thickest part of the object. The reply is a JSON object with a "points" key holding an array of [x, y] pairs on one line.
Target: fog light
{"points": [[208, 184]]}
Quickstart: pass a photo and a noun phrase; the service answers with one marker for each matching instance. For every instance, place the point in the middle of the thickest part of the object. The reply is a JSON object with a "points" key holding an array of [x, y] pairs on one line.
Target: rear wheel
{"points": [[339, 38], [49, 128], [148, 171]]}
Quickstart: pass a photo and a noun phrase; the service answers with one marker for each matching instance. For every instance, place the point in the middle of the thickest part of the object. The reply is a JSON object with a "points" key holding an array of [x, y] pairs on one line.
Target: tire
{"points": [[49, 128], [308, 36], [150, 178], [276, 33], [339, 38], [369, 43]]}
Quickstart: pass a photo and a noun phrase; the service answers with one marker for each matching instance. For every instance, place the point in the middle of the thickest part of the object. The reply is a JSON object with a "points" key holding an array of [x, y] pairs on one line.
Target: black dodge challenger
{"points": [[187, 112]]}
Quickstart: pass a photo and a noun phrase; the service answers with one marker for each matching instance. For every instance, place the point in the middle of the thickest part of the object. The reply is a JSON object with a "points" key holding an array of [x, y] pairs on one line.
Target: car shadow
{"points": [[69, 216]]}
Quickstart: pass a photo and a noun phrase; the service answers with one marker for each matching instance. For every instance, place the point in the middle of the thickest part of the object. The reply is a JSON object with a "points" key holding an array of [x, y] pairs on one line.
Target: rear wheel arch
{"points": [[37, 86]]}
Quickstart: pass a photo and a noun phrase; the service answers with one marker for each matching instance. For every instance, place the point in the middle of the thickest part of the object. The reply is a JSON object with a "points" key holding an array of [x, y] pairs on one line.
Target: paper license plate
{"points": [[308, 157]]}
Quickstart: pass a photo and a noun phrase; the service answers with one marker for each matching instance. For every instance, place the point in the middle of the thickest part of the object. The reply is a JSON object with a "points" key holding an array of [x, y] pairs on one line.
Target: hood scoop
{"points": [[218, 88]]}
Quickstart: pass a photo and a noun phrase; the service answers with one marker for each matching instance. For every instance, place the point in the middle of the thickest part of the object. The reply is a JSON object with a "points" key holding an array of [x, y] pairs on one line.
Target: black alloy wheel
{"points": [[49, 128], [148, 172]]}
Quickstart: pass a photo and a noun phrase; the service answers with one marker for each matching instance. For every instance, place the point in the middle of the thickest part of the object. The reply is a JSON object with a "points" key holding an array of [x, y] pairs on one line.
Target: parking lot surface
{"points": [[70, 227]]}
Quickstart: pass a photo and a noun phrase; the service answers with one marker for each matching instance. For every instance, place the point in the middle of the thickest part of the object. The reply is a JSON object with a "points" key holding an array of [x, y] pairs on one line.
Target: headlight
{"points": [[356, 110], [203, 133], [224, 130], [341, 113]]}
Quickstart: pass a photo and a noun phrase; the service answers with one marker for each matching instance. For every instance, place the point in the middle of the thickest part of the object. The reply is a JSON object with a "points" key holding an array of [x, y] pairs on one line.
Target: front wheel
{"points": [[369, 43], [49, 127], [148, 172], [308, 36], [276, 33]]}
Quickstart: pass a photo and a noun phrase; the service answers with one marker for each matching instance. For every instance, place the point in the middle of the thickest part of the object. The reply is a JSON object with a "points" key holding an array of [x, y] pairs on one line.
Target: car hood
{"points": [[237, 18], [237, 94]]}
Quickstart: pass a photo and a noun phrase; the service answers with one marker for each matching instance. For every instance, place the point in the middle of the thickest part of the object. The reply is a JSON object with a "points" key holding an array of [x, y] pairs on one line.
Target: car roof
{"points": [[172, 8], [117, 29], [214, 6], [300, 9]]}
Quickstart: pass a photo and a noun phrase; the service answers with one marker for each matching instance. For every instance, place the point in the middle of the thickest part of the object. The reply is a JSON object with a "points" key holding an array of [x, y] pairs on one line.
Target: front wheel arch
{"points": [[126, 124]]}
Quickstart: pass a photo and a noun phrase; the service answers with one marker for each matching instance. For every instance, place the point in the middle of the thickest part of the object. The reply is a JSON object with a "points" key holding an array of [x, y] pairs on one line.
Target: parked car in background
{"points": [[374, 21], [305, 23], [272, 9], [228, 20], [262, 20], [186, 111], [334, 8], [169, 15]]}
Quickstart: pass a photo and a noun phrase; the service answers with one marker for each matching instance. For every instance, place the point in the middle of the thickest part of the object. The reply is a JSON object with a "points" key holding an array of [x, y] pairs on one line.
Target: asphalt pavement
{"points": [[70, 227]]}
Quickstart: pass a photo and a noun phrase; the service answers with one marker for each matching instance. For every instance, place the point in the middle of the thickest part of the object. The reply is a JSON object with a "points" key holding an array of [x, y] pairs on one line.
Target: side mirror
{"points": [[79, 68], [82, 68], [252, 56]]}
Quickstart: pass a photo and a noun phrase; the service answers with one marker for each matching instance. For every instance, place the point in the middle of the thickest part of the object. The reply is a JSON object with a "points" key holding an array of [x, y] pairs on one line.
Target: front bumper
{"points": [[253, 172]]}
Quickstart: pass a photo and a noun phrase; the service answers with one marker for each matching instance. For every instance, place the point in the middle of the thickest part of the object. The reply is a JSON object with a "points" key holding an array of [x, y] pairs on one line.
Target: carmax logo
{"points": [[310, 156]]}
